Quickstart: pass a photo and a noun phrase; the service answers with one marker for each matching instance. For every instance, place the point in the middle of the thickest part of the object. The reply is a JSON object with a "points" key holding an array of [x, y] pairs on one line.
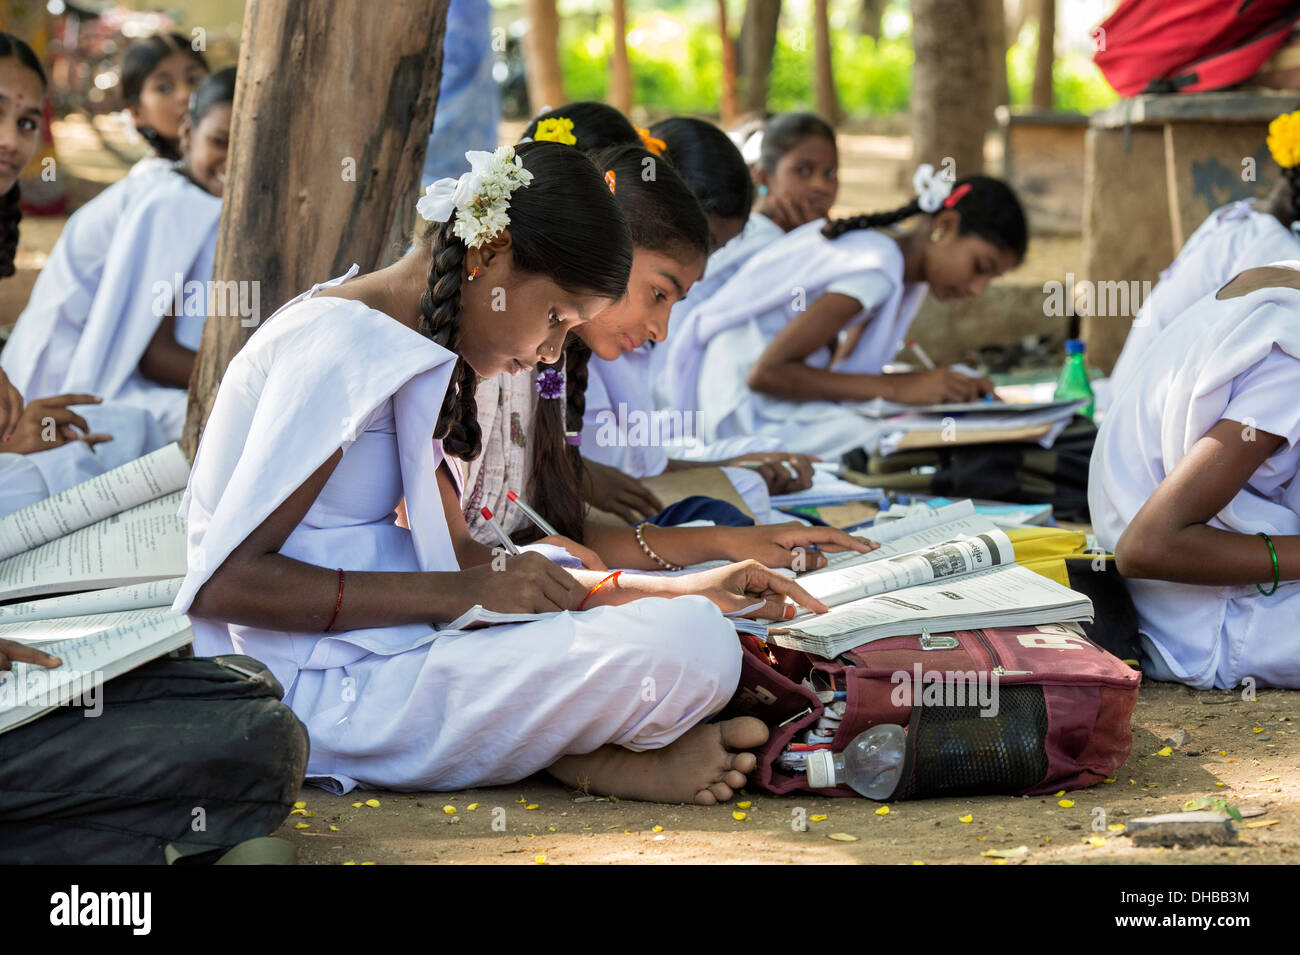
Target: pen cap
{"points": [[820, 768]]}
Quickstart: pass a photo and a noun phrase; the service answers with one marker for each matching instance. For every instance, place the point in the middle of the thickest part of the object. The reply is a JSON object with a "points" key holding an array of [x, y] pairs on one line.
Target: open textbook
{"points": [[134, 483], [94, 649]]}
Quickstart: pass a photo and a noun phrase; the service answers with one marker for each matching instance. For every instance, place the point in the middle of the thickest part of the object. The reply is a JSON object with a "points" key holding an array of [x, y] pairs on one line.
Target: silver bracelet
{"points": [[640, 539]]}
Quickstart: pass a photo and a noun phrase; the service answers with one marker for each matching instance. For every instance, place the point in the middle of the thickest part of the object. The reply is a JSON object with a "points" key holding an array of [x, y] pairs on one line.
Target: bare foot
{"points": [[701, 766]]}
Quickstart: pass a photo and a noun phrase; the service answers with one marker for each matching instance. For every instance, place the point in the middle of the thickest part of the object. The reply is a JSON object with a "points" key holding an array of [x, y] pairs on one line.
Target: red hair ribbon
{"points": [[954, 197]]}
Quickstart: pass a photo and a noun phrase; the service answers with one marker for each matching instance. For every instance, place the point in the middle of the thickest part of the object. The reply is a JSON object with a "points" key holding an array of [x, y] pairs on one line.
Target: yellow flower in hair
{"points": [[557, 129], [656, 146], [1284, 139]]}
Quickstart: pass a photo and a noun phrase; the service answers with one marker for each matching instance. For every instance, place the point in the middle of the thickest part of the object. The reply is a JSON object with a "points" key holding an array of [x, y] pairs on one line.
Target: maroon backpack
{"points": [[1062, 720], [1186, 46]]}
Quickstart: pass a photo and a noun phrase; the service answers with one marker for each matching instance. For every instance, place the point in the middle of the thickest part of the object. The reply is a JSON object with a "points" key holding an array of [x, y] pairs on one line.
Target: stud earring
{"points": [[936, 235], [762, 190]]}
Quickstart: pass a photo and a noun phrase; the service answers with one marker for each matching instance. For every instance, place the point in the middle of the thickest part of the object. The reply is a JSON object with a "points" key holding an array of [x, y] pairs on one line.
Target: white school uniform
{"points": [[414, 707], [733, 328], [90, 334], [1237, 359], [1233, 238]]}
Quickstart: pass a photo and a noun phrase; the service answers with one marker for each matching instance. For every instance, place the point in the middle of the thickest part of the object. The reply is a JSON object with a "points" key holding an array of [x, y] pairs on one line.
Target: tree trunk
{"points": [[950, 78], [727, 107], [758, 39], [828, 103], [1044, 55], [870, 14], [542, 56], [620, 80], [314, 187], [999, 90]]}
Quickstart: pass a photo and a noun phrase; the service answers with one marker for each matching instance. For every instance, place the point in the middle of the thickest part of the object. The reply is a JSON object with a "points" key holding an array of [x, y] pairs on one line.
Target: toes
{"points": [[744, 762], [743, 732], [734, 779], [705, 798], [721, 791]]}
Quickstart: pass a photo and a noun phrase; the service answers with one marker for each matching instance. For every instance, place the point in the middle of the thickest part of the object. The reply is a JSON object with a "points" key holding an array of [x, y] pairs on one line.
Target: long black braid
{"points": [[458, 427], [10, 216], [1292, 176], [557, 470], [870, 220]]}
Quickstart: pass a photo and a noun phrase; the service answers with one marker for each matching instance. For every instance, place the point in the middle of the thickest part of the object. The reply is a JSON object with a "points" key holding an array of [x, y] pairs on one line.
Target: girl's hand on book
{"points": [[524, 583], [790, 545], [783, 473], [741, 585], [937, 387], [49, 422], [590, 559], [611, 490], [11, 407], [11, 653]]}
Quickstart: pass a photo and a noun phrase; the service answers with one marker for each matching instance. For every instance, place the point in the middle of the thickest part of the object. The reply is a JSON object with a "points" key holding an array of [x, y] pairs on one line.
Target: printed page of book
{"points": [[145, 543], [154, 594], [137, 482]]}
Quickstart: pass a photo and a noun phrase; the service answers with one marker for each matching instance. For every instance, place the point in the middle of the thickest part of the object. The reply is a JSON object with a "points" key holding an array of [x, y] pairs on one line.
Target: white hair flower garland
{"points": [[480, 198], [931, 188]]}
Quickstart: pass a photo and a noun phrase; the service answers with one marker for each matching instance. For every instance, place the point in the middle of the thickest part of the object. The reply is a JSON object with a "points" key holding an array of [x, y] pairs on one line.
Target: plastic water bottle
{"points": [[1074, 383], [871, 765]]}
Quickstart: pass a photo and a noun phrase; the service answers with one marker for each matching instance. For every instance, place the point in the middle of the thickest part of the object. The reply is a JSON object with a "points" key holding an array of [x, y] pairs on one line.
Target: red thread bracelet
{"points": [[592, 592], [337, 603]]}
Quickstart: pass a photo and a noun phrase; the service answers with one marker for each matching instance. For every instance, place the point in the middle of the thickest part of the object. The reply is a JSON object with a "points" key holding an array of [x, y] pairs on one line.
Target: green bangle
{"points": [[1269, 541]]}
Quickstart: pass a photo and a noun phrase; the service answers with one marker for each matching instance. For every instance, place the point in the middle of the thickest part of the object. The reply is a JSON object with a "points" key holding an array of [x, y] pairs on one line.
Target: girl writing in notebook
{"points": [[349, 401], [810, 321], [1193, 485], [105, 316], [1241, 235]]}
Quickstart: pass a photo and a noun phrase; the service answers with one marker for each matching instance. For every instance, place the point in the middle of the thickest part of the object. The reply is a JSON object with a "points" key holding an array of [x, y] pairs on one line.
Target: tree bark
{"points": [[758, 45], [727, 106], [870, 15], [999, 90], [950, 78], [542, 56], [332, 116], [1044, 55], [828, 103], [620, 80]]}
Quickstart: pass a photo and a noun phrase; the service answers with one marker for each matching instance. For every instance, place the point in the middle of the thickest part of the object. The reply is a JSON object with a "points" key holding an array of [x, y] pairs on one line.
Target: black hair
{"points": [[216, 89], [11, 47], [141, 58], [710, 164], [784, 131], [662, 215], [552, 221], [595, 125], [988, 209]]}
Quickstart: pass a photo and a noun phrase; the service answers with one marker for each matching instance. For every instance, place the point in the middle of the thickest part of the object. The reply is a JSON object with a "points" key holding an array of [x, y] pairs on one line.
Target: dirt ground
{"points": [[1247, 752]]}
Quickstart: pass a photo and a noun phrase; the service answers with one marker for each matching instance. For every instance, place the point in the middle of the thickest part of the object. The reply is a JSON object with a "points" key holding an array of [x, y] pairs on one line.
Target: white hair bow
{"points": [[931, 188]]}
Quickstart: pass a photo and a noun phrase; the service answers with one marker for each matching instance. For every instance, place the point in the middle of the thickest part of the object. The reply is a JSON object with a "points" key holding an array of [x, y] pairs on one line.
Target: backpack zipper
{"points": [[997, 661]]}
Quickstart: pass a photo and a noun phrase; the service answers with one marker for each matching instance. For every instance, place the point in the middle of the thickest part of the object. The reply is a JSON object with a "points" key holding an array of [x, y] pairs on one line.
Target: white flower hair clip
{"points": [[931, 188], [480, 199]]}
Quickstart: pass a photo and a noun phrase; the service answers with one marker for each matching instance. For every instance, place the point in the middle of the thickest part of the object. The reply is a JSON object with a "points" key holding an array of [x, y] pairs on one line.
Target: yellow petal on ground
{"points": [[1268, 779], [1115, 827], [1095, 841], [882, 811], [819, 817], [449, 810], [1165, 751], [471, 807], [1258, 729], [980, 838], [531, 806], [1065, 803], [334, 828], [1220, 784], [1015, 853], [1061, 793], [309, 814], [917, 862], [373, 804], [999, 861], [540, 860], [367, 863], [739, 816], [549, 828], [1132, 781], [357, 805], [1223, 752], [1261, 823], [303, 825], [1111, 780], [744, 805], [613, 799], [349, 863], [842, 837], [657, 829], [966, 818], [300, 805], [297, 812]]}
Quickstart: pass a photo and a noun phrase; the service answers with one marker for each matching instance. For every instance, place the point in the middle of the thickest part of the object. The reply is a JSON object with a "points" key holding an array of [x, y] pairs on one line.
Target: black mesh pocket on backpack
{"points": [[955, 751]]}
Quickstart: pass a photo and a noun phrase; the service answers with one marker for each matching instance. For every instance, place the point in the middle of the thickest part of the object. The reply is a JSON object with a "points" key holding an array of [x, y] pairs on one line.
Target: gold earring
{"points": [[936, 235]]}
